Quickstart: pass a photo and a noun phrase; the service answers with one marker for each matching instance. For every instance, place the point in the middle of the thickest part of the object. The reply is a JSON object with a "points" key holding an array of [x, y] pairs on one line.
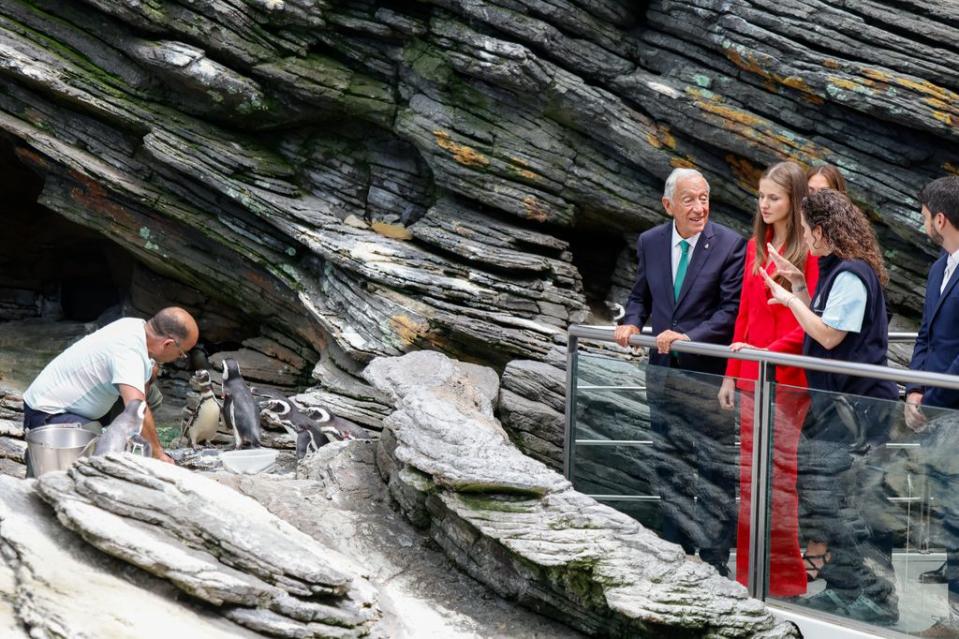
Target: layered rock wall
{"points": [[383, 176]]}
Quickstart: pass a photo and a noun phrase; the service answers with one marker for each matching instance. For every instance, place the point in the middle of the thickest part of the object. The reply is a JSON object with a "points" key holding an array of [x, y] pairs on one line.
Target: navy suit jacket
{"points": [[708, 301], [937, 346]]}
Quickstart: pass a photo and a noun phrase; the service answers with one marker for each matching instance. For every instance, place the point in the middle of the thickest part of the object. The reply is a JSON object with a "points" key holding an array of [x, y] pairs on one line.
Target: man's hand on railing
{"points": [[913, 413], [623, 332], [664, 341], [727, 394]]}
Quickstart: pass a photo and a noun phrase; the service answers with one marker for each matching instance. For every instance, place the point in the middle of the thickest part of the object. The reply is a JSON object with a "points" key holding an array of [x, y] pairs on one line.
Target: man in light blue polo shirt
{"points": [[83, 382]]}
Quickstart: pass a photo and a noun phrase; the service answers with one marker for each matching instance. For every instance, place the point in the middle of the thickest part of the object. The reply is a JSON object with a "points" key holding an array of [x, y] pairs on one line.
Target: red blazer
{"points": [[769, 326]]}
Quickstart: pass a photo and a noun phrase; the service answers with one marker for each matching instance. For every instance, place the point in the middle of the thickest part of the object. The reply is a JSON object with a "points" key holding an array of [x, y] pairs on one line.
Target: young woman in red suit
{"points": [[760, 324]]}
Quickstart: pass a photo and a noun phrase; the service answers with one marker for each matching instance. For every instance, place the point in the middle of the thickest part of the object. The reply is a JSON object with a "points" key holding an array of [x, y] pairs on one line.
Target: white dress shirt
{"points": [[677, 252], [951, 262]]}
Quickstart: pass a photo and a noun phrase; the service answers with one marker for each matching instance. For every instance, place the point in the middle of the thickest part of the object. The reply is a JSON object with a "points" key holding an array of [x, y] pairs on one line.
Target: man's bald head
{"points": [[174, 331]]}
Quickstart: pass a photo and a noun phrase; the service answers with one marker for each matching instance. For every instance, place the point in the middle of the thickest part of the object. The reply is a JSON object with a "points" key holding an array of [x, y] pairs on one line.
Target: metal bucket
{"points": [[56, 446]]}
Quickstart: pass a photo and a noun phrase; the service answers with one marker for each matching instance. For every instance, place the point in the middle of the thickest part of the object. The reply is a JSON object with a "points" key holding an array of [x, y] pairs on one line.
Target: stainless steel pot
{"points": [[56, 446]]}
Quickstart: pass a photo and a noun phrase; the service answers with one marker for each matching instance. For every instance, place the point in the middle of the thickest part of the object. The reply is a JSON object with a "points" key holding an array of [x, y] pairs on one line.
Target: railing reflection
{"points": [[840, 471]]}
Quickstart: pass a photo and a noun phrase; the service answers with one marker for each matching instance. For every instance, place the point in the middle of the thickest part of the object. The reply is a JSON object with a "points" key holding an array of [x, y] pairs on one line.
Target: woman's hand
{"points": [[727, 394], [738, 346], [786, 268], [779, 294]]}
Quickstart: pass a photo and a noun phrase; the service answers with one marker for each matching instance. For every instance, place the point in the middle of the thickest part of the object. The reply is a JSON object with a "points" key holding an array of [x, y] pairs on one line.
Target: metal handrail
{"points": [[940, 380], [895, 337], [760, 467]]}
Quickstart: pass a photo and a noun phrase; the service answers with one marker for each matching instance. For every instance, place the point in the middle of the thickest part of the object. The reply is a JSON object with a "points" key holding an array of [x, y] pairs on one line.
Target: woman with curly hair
{"points": [[844, 319], [816, 554]]}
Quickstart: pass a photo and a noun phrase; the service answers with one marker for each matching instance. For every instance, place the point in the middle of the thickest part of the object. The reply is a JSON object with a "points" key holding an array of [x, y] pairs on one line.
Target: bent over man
{"points": [[83, 382]]}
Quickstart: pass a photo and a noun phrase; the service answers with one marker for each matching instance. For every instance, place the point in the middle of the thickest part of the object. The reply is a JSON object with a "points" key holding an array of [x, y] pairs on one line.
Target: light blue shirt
{"points": [[84, 379], [846, 306]]}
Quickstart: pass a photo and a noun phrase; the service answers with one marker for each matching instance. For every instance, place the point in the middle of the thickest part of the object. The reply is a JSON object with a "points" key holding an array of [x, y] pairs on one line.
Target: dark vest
{"points": [[868, 346]]}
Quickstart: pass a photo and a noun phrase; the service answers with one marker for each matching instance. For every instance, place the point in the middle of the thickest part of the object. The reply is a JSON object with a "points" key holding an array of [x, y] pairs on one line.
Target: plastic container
{"points": [[248, 462]]}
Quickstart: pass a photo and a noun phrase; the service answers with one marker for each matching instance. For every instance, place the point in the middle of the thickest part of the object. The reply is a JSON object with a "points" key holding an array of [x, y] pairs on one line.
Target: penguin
{"points": [[202, 421], [239, 408], [311, 433], [116, 436]]}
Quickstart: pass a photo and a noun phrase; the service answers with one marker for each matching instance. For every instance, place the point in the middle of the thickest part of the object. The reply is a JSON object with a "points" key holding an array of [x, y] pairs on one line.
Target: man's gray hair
{"points": [[676, 176]]}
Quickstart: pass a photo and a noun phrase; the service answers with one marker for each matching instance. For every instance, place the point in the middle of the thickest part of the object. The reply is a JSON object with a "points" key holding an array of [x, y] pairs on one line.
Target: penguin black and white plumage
{"points": [[240, 411], [116, 436], [201, 423], [311, 432]]}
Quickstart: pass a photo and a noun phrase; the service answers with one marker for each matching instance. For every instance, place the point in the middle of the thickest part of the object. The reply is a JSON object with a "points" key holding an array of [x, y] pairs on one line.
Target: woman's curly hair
{"points": [[845, 227]]}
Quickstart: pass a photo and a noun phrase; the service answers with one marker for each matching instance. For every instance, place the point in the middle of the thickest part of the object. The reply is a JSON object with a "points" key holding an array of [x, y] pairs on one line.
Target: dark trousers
{"points": [[35, 418], [840, 481], [696, 462]]}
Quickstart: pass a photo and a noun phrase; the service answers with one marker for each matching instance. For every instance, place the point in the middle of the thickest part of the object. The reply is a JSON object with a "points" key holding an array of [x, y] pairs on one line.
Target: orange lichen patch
{"points": [[746, 173], [395, 231], [521, 168], [830, 63], [795, 82], [408, 329], [845, 84], [731, 113], [751, 63], [463, 154], [747, 63], [755, 128], [945, 118], [919, 86], [949, 167], [660, 136], [682, 163], [535, 210]]}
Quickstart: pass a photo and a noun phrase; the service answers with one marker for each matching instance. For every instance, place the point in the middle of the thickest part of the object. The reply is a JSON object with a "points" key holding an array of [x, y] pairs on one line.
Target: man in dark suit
{"points": [[937, 350], [688, 279]]}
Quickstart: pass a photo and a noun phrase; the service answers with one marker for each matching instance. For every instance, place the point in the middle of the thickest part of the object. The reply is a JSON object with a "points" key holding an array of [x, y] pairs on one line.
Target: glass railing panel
{"points": [[654, 443], [874, 506]]}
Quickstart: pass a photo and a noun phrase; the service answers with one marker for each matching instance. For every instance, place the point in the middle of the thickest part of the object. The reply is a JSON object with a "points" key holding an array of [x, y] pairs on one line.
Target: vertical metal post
{"points": [[569, 440], [764, 398]]}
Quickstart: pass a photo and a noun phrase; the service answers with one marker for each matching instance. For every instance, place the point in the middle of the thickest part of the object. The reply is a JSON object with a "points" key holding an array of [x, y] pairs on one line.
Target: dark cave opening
{"points": [[60, 280], [51, 268], [596, 255]]}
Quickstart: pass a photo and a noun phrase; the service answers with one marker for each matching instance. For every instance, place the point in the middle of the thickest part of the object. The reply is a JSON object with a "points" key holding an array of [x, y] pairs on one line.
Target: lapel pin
{"points": [[707, 244]]}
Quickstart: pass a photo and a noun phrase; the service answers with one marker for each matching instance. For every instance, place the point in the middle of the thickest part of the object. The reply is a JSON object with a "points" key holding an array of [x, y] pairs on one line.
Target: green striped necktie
{"points": [[681, 269]]}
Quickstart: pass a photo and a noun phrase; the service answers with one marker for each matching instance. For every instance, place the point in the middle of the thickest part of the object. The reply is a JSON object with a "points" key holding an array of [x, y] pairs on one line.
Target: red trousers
{"points": [[787, 574]]}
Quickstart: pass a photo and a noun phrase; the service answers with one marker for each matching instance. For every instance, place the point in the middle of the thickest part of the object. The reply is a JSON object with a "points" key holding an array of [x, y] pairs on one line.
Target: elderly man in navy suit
{"points": [[937, 350], [688, 279]]}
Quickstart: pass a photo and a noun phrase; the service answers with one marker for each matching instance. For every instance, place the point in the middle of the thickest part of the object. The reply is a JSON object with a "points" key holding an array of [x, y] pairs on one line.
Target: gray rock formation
{"points": [[54, 584], [528, 535], [377, 177], [340, 500], [214, 545]]}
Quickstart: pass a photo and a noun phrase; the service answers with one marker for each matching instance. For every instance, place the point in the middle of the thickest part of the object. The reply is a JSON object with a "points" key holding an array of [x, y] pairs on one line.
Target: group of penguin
{"points": [[241, 412]]}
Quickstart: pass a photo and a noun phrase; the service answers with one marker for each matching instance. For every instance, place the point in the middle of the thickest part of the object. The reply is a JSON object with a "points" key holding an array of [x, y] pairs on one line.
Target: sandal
{"points": [[813, 568]]}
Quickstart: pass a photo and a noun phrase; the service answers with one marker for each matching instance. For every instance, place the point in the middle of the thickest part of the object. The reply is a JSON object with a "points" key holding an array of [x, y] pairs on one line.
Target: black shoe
{"points": [[937, 576], [722, 569]]}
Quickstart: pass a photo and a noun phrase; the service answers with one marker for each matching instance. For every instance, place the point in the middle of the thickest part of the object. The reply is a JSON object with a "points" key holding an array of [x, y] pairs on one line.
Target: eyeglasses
{"points": [[183, 353]]}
